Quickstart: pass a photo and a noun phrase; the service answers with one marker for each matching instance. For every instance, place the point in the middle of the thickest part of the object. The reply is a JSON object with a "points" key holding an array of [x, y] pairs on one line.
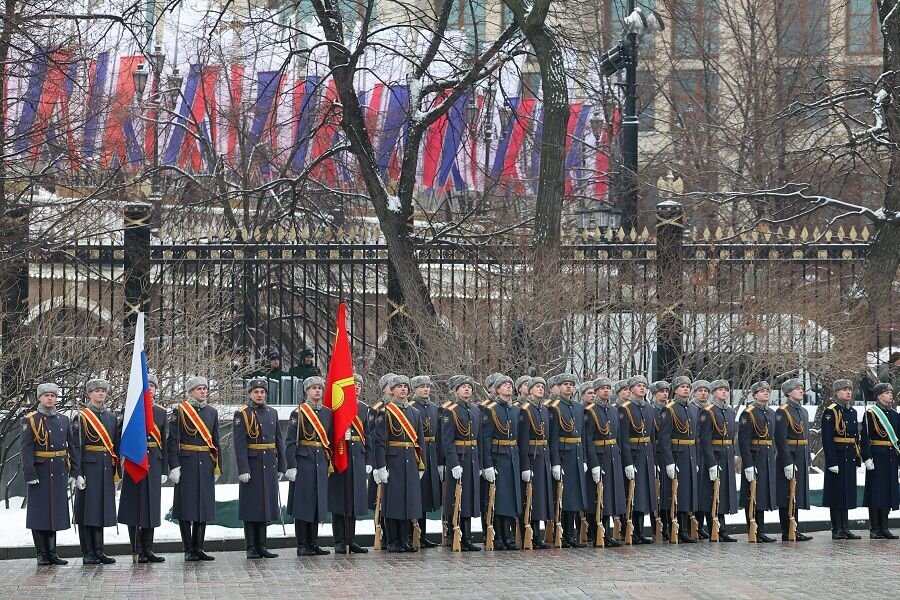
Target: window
{"points": [[802, 27], [508, 16], [861, 79], [646, 100], [468, 16], [695, 94], [805, 85], [863, 30], [696, 28]]}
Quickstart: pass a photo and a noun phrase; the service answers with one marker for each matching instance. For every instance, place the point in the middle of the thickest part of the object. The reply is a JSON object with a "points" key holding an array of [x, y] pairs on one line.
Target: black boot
{"points": [[761, 537], [874, 525], [313, 529], [845, 525], [351, 538], [50, 543], [684, 532], [340, 536], [637, 519], [467, 545], [262, 540], [147, 546], [393, 536], [86, 541], [98, 547], [135, 544], [702, 520], [250, 540], [723, 533], [837, 531], [302, 532], [405, 528], [537, 540], [199, 539], [572, 524], [40, 547], [885, 532], [426, 543], [608, 540], [187, 542], [509, 532]]}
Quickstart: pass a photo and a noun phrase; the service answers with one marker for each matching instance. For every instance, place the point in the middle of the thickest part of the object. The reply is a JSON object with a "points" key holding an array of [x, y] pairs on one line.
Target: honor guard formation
{"points": [[541, 464]]}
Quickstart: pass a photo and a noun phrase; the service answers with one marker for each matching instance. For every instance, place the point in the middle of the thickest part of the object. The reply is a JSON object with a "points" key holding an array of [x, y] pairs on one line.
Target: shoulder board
{"points": [[452, 406], [526, 406], [31, 414], [670, 404], [446, 404], [626, 404], [750, 408], [376, 406], [243, 408], [783, 407], [490, 405], [554, 403], [708, 407], [832, 406]]}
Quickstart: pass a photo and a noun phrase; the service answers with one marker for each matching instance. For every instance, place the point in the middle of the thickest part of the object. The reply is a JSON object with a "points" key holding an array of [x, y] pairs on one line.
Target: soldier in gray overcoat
{"points": [[699, 401], [400, 464], [95, 439], [259, 453], [47, 464], [500, 458], [308, 450], [534, 458], [431, 481], [460, 430], [568, 465], [794, 457], [139, 504], [347, 505], [604, 458], [638, 439], [756, 432], [715, 437], [193, 448], [677, 441]]}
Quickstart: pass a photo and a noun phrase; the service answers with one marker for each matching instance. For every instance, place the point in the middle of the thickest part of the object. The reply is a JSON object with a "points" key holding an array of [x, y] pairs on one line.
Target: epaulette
{"points": [[31, 414], [783, 406], [626, 404], [452, 406], [670, 403], [243, 408], [490, 405], [526, 406], [708, 407], [546, 403], [750, 408], [831, 406], [377, 406], [446, 403]]}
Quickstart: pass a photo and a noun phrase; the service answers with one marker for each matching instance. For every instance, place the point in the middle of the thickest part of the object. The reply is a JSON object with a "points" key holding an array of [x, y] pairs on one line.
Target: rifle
{"points": [[443, 516], [659, 523], [557, 525], [457, 532], [583, 532], [673, 531], [695, 528], [751, 510], [528, 534], [416, 534], [598, 517], [629, 523], [792, 503], [378, 496], [489, 517], [714, 513]]}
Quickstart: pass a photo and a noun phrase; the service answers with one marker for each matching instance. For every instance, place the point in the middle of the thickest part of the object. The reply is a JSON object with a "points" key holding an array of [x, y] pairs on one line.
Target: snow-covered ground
{"points": [[12, 521]]}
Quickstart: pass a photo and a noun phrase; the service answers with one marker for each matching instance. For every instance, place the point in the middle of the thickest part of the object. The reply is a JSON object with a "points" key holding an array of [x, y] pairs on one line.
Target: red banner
{"points": [[340, 391]]}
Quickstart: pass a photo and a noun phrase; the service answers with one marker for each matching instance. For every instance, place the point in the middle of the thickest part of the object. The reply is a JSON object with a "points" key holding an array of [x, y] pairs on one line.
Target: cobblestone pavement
{"points": [[818, 569]]}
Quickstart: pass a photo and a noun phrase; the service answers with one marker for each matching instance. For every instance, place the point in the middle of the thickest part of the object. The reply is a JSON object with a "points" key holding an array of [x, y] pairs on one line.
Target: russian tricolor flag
{"points": [[138, 421]]}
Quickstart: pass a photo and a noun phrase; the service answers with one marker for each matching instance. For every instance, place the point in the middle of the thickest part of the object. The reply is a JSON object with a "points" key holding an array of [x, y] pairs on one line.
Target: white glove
{"points": [[670, 471], [713, 473], [835, 469], [280, 476], [80, 483], [33, 482], [630, 472], [163, 479], [750, 473], [596, 473], [368, 469], [526, 476], [175, 475], [376, 476], [347, 435], [697, 469], [490, 474], [441, 472], [870, 464], [557, 472], [291, 474], [789, 472], [421, 474], [383, 474], [244, 477], [456, 472], [584, 467]]}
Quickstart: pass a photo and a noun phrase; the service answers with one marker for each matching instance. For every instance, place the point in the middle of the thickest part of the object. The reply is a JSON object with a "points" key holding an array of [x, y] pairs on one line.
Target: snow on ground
{"points": [[12, 521]]}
